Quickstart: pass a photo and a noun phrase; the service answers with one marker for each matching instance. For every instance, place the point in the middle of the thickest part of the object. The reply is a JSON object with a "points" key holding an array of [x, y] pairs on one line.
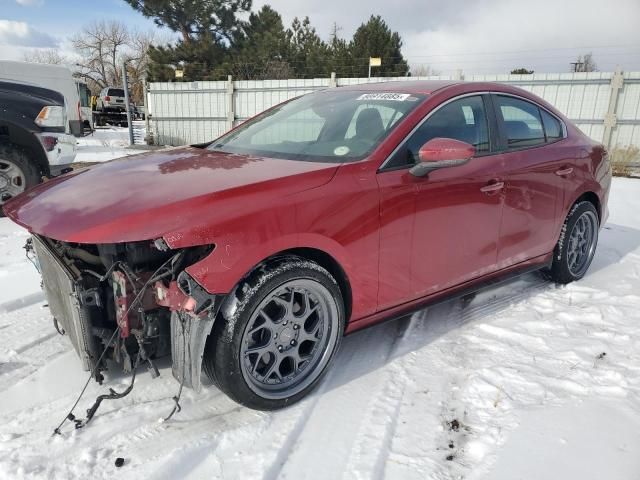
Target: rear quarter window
{"points": [[552, 126]]}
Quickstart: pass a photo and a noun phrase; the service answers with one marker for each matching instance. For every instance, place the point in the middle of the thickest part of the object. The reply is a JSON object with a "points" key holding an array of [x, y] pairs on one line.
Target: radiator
{"points": [[62, 294]]}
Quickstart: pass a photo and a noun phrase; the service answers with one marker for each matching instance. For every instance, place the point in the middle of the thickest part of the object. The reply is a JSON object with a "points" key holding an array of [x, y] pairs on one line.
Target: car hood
{"points": [[157, 194]]}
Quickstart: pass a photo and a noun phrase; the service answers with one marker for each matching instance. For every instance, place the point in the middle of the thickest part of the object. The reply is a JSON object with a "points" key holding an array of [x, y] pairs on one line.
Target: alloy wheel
{"points": [[289, 339], [582, 243]]}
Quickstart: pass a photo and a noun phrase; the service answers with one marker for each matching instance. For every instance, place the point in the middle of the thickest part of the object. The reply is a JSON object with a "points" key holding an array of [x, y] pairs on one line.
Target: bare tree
{"points": [[100, 46], [136, 56], [49, 56], [103, 46], [584, 63], [423, 71]]}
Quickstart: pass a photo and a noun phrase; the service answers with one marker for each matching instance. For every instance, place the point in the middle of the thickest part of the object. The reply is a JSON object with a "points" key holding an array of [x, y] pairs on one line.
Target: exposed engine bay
{"points": [[128, 303]]}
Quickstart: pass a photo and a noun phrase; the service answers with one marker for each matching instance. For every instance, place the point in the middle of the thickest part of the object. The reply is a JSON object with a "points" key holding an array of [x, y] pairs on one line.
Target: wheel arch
{"points": [[225, 268], [322, 258], [15, 136], [592, 197], [329, 263]]}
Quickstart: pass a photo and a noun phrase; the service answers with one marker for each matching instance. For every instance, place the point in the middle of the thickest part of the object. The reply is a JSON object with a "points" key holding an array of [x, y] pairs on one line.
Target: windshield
{"points": [[327, 126], [116, 92]]}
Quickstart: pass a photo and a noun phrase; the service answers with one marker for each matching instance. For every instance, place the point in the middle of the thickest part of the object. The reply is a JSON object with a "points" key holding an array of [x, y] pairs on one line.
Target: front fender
{"points": [[236, 255]]}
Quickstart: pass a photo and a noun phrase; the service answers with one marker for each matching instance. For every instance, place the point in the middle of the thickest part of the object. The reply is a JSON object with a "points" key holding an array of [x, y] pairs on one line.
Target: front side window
{"points": [[522, 122], [464, 119], [327, 126]]}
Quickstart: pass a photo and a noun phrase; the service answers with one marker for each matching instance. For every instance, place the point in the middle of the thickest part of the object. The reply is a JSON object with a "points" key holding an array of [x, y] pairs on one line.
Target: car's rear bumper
{"points": [[59, 147]]}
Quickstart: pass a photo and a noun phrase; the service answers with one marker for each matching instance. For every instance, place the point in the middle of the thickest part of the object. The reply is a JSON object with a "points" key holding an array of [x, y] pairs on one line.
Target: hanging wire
{"points": [[94, 370]]}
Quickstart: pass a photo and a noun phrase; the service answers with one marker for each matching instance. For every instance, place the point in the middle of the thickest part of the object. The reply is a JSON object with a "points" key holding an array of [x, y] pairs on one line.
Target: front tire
{"points": [[276, 335], [577, 245], [17, 173]]}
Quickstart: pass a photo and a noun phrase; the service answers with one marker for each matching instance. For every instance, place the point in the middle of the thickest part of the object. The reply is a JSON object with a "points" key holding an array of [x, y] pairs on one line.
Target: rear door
{"points": [[533, 180]]}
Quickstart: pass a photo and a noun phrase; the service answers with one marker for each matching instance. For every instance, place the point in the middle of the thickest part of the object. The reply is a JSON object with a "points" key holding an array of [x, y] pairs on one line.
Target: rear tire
{"points": [[17, 173], [276, 334], [577, 245]]}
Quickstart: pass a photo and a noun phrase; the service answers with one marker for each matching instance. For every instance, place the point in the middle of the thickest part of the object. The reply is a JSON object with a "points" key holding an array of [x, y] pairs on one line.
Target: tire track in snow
{"points": [[428, 326], [274, 470], [22, 302], [36, 342], [358, 375]]}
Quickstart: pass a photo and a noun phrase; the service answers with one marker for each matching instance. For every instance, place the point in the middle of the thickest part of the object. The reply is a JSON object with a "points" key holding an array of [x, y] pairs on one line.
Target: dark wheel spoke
{"points": [[268, 323], [312, 335], [261, 350], [297, 360], [273, 368], [287, 304]]}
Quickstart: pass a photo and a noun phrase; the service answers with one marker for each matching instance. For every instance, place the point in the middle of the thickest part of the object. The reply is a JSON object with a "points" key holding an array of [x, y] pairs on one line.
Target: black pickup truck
{"points": [[33, 139]]}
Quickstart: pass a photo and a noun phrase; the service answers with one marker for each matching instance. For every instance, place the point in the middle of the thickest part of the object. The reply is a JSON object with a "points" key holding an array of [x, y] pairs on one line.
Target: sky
{"points": [[475, 36]]}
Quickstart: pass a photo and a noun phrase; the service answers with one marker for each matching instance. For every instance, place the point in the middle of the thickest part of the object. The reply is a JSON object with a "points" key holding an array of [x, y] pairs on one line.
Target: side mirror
{"points": [[442, 153]]}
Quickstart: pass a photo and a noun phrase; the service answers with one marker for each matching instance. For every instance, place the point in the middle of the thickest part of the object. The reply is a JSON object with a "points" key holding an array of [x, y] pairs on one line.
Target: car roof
{"points": [[409, 86], [426, 87]]}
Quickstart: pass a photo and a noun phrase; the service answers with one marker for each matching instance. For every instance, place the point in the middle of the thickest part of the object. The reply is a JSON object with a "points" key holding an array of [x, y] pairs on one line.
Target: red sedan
{"points": [[251, 256]]}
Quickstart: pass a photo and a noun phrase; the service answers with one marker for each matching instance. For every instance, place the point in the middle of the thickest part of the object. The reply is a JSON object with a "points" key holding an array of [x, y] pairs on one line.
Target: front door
{"points": [[440, 230]]}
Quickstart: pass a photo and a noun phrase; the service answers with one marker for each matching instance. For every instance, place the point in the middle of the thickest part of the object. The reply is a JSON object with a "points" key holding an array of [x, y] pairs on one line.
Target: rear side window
{"points": [[552, 126], [522, 122], [116, 92]]}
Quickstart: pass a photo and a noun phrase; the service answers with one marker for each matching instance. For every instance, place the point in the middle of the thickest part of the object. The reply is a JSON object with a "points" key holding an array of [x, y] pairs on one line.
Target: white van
{"points": [[53, 77]]}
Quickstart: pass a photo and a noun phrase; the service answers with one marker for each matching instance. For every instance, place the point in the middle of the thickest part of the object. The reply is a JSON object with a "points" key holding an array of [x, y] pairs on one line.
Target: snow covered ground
{"points": [[527, 381], [107, 143]]}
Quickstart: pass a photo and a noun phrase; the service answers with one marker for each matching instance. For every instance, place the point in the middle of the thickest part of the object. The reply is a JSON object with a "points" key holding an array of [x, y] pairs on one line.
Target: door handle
{"points": [[564, 171], [492, 187]]}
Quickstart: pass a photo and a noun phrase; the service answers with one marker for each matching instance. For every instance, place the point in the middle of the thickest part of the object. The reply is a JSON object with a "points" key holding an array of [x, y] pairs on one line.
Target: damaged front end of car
{"points": [[128, 303]]}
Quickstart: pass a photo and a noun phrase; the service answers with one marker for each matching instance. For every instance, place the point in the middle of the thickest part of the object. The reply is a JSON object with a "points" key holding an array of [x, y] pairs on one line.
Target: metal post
{"points": [[369, 68], [610, 119], [231, 115], [145, 103], [125, 86]]}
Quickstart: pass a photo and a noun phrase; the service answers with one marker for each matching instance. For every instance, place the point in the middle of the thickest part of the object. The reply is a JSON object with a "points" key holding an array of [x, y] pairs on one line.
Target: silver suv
{"points": [[111, 99]]}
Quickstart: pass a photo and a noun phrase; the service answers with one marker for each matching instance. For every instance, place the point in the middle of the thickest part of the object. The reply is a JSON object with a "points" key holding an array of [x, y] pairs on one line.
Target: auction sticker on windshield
{"points": [[398, 97]]}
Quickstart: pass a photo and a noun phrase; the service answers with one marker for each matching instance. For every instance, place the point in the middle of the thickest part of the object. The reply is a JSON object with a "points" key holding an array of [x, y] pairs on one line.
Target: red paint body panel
{"points": [[401, 240], [444, 218]]}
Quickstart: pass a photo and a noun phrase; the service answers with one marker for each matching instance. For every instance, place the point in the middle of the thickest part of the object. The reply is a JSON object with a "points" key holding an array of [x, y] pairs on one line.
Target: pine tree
{"points": [[375, 39], [208, 29], [309, 54], [340, 60], [261, 50]]}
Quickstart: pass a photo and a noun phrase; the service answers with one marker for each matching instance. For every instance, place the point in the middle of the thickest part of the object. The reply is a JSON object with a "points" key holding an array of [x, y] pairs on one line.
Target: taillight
{"points": [[49, 143], [107, 98]]}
